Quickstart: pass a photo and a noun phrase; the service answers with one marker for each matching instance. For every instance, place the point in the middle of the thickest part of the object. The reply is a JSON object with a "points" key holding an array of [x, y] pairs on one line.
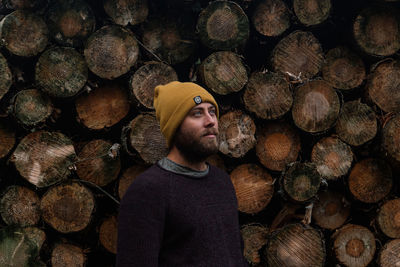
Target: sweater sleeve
{"points": [[141, 224]]}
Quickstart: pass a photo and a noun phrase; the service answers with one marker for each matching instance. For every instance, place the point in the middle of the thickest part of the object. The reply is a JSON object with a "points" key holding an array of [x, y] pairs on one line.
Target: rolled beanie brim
{"points": [[173, 101]]}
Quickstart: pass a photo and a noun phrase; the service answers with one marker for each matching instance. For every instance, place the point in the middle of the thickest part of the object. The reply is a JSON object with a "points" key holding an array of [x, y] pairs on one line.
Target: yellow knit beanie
{"points": [[174, 100]]}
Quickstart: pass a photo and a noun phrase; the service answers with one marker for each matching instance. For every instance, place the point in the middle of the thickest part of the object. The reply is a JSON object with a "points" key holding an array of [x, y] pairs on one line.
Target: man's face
{"points": [[197, 136]]}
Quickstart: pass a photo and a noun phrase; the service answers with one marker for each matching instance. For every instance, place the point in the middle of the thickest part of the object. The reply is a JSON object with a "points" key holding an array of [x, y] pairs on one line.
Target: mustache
{"points": [[211, 131]]}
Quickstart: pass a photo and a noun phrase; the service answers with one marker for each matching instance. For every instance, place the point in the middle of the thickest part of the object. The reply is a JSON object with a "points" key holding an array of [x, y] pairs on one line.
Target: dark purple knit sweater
{"points": [[168, 219]]}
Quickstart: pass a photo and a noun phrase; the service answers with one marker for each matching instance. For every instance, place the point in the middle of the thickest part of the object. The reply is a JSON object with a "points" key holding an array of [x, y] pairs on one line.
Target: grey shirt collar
{"points": [[174, 167]]}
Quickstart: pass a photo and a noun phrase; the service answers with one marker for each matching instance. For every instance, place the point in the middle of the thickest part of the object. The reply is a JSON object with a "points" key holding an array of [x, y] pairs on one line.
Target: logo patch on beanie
{"points": [[197, 99]]}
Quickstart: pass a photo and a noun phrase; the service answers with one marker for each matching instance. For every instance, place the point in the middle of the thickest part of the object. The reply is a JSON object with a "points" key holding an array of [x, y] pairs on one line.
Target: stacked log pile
{"points": [[309, 93]]}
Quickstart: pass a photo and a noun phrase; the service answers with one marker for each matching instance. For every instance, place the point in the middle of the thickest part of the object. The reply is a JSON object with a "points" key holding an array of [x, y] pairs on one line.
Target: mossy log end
{"points": [[254, 187], [23, 33], [146, 78], [316, 106], [370, 180], [67, 207], [127, 177], [330, 210], [103, 107], [7, 138], [301, 181], [356, 123], [237, 134], [108, 234], [64, 254], [278, 144], [295, 245], [61, 72], [376, 30], [343, 69], [5, 76], [70, 22], [271, 17], [391, 138], [223, 25], [298, 55], [223, 72], [124, 12], [388, 218], [333, 157], [312, 12], [254, 238], [354, 245], [171, 40], [146, 139], [32, 107], [268, 95], [111, 51], [97, 164], [44, 158], [20, 205], [381, 82]]}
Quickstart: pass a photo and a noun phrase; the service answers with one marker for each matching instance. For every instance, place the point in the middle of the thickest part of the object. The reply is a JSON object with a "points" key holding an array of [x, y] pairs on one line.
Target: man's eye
{"points": [[213, 111]]}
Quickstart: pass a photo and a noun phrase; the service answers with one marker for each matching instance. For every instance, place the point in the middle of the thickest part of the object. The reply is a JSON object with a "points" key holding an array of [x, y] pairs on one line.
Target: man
{"points": [[182, 211]]}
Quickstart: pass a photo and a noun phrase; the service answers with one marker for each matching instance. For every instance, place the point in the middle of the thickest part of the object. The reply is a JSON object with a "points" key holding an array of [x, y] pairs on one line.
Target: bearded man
{"points": [[182, 211]]}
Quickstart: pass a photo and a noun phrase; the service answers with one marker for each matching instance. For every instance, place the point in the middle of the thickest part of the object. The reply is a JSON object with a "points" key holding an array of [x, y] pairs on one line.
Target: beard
{"points": [[196, 147]]}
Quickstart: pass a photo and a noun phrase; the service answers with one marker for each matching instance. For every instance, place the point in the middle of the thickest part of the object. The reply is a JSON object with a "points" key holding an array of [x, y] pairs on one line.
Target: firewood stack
{"points": [[309, 93]]}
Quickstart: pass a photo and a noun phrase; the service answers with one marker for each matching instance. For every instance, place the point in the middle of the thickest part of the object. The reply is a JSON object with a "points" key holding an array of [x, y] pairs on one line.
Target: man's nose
{"points": [[210, 119]]}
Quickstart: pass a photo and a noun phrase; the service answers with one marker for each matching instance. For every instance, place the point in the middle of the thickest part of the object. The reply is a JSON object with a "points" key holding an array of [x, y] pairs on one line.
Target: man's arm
{"points": [[140, 225]]}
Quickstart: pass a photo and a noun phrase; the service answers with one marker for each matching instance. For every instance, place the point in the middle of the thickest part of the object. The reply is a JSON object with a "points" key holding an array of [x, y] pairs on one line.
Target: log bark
{"points": [[254, 238], [223, 25], [97, 163], [20, 205], [23, 33], [316, 106], [23, 4], [356, 123], [44, 158], [354, 245], [7, 138], [388, 255], [301, 181], [32, 108], [278, 144], [223, 72], [370, 180], [343, 69], [146, 78], [376, 30], [236, 134], [330, 210], [298, 55], [333, 157], [127, 177], [67, 207], [61, 72], [111, 51], [172, 40], [295, 245], [254, 187], [388, 219], [268, 95], [391, 138], [381, 82], [124, 12], [312, 12], [108, 234], [65, 254], [146, 139], [271, 17], [103, 107], [5, 76], [70, 22]]}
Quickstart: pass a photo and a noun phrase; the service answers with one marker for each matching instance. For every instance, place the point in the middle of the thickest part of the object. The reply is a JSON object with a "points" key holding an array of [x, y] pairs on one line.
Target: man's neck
{"points": [[177, 157]]}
